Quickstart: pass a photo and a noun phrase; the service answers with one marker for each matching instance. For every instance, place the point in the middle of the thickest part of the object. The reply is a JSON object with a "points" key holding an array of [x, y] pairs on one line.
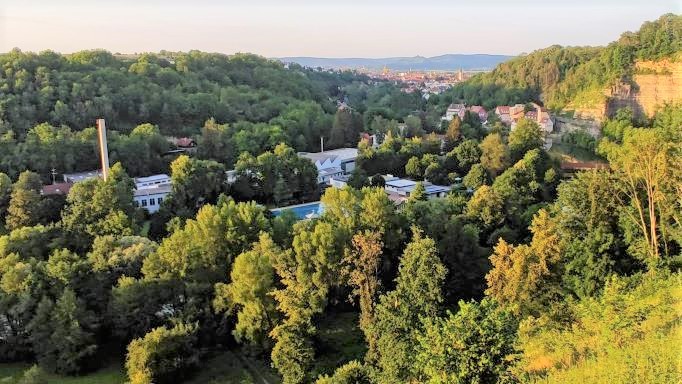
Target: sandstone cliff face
{"points": [[655, 83]]}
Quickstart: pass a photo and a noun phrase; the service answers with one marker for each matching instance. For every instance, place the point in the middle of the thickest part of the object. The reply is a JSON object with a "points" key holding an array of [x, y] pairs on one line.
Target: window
{"points": [[152, 201], [159, 200], [144, 203], [136, 203]]}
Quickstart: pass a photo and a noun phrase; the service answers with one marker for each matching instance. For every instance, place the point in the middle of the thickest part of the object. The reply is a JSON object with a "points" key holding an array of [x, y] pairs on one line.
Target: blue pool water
{"points": [[302, 210]]}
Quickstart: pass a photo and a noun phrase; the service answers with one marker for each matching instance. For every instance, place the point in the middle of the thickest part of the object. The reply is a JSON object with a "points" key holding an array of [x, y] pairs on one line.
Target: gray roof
{"points": [[343, 153]]}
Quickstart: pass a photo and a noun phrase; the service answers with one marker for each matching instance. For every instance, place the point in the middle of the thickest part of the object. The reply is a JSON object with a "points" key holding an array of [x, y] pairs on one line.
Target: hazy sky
{"points": [[343, 28]]}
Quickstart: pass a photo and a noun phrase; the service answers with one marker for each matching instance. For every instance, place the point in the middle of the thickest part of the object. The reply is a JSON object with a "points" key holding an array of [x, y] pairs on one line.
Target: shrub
{"points": [[163, 355]]}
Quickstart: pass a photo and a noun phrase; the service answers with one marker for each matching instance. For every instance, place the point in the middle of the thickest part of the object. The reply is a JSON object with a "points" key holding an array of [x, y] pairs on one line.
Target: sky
{"points": [[321, 28]]}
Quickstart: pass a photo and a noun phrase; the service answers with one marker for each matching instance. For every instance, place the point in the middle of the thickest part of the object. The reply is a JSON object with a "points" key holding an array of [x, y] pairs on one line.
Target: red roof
{"points": [[56, 189], [502, 109], [185, 142]]}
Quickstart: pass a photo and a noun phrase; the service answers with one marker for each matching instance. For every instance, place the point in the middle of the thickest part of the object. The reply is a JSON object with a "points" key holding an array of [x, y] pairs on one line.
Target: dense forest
{"points": [[561, 76], [521, 274]]}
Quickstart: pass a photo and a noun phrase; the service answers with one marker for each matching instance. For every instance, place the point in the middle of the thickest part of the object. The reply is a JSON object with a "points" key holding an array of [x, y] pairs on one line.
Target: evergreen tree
{"points": [[398, 315]]}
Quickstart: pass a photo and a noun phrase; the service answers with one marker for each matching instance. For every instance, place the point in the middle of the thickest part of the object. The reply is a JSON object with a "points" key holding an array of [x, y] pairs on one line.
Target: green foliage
{"points": [[417, 294], [494, 154], [467, 153], [252, 280], [5, 193], [525, 136], [476, 177], [34, 375], [475, 345], [350, 373], [25, 205], [194, 183], [279, 177], [163, 355], [62, 334], [628, 334]]}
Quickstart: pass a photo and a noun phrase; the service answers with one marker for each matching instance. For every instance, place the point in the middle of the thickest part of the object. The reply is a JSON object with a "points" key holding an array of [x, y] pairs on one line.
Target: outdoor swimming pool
{"points": [[302, 211]]}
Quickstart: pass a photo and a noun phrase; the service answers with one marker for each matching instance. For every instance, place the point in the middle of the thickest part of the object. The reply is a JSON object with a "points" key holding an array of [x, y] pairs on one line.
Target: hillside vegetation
{"points": [[570, 77]]}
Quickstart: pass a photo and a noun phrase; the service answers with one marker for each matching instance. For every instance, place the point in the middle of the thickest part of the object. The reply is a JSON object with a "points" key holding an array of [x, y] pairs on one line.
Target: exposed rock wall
{"points": [[655, 83]]}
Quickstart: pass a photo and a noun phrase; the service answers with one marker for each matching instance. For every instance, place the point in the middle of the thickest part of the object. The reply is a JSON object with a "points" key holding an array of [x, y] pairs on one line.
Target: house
{"points": [[480, 111], [454, 110], [336, 162], [56, 189], [502, 112], [153, 180], [183, 144], [81, 176], [541, 116], [517, 111], [150, 198]]}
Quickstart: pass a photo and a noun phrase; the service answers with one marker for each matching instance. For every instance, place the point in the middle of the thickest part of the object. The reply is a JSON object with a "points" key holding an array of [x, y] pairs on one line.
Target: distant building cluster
{"points": [[510, 115], [460, 110]]}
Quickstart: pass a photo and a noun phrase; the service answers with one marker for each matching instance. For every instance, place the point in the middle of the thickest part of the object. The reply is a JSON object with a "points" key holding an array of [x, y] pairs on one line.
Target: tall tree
{"points": [[494, 154], [398, 315], [249, 292], [525, 136], [361, 267], [648, 168], [25, 206]]}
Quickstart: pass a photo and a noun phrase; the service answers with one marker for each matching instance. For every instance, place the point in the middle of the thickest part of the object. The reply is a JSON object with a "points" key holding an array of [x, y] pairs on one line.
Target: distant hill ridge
{"points": [[450, 62]]}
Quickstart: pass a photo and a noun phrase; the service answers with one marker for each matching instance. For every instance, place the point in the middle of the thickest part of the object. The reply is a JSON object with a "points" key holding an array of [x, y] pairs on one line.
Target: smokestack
{"points": [[103, 150], [321, 143]]}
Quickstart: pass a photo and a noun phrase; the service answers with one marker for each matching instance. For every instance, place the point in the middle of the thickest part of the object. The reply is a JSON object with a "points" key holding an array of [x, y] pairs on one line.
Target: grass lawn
{"points": [[221, 368], [570, 153], [10, 373], [338, 341]]}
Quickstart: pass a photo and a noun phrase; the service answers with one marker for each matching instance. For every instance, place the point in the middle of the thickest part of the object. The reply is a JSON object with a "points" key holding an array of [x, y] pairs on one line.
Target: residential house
{"points": [[454, 110], [502, 112], [56, 189], [336, 162], [480, 111]]}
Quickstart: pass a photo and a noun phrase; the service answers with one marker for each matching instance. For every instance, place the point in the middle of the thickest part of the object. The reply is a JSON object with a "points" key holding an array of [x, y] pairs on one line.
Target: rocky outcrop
{"points": [[654, 84]]}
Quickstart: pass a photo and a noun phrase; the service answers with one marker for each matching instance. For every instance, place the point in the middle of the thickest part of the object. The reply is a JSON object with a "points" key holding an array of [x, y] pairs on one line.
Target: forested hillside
{"points": [[567, 77], [523, 272], [177, 91]]}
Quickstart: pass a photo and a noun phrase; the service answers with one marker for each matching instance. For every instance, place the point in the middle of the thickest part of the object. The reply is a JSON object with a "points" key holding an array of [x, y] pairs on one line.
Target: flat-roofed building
{"points": [[81, 176], [153, 180], [150, 198]]}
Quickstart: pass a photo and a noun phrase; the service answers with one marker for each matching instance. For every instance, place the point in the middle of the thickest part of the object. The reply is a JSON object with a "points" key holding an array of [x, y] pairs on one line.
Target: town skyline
{"points": [[323, 29]]}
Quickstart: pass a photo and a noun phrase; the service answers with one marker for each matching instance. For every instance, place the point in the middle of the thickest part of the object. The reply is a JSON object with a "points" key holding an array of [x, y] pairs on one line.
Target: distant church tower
{"points": [[460, 75]]}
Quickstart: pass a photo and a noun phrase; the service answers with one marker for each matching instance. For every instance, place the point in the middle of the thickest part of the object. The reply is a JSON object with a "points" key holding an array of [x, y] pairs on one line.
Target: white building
{"points": [[150, 191], [151, 181], [336, 162], [150, 198], [402, 188]]}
